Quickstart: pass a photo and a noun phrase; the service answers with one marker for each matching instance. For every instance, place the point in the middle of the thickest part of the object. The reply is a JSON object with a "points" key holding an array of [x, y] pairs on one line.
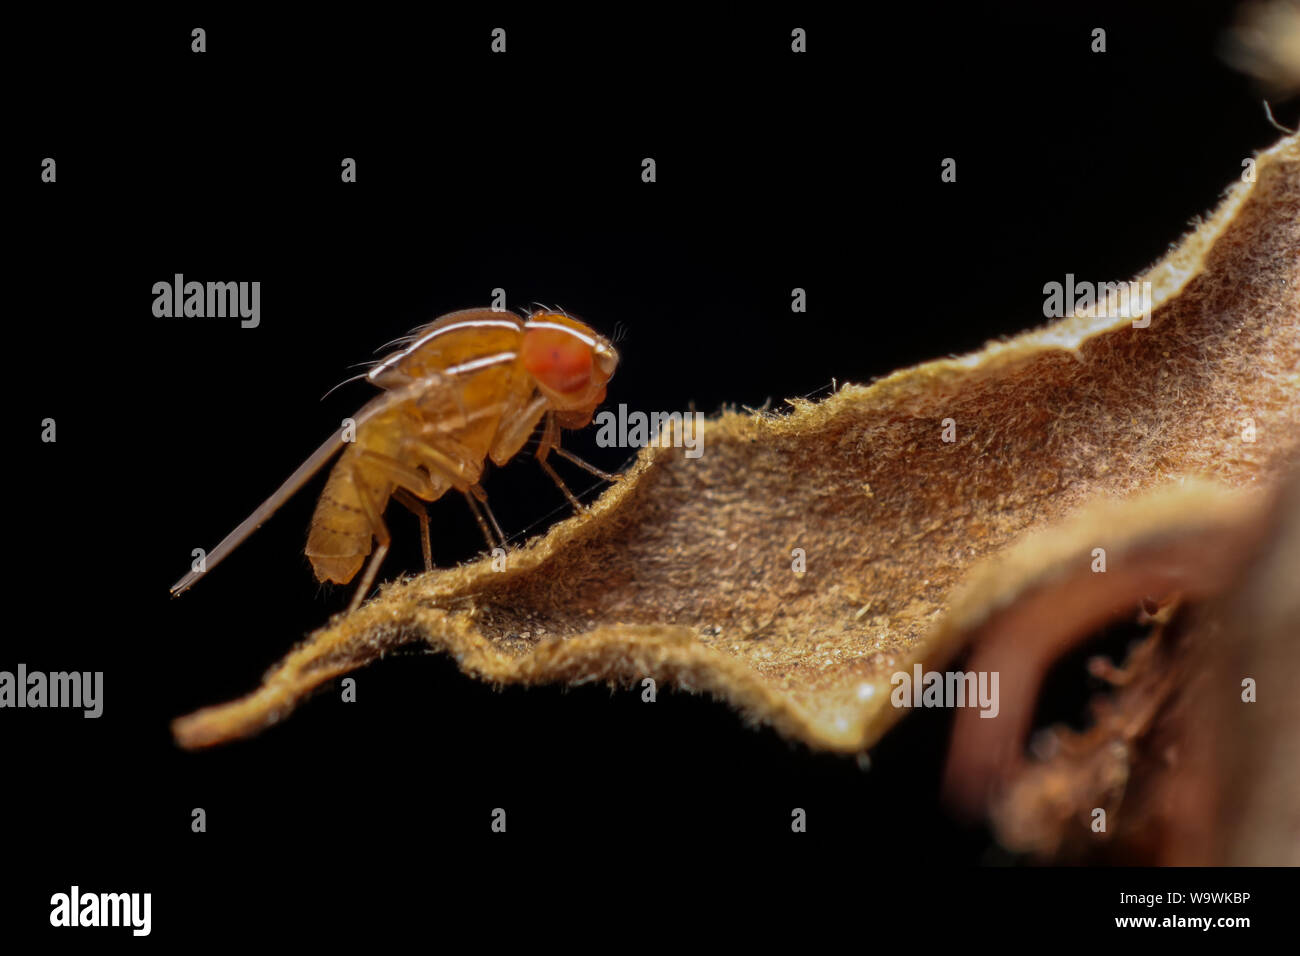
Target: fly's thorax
{"points": [[461, 375], [454, 345]]}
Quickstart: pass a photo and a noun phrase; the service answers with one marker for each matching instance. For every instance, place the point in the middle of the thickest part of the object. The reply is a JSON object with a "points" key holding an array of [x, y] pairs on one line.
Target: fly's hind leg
{"points": [[417, 508], [408, 481], [367, 579], [375, 517]]}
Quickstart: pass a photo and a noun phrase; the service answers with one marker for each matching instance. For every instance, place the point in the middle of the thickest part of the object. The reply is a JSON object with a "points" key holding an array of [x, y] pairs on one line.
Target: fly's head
{"points": [[571, 364]]}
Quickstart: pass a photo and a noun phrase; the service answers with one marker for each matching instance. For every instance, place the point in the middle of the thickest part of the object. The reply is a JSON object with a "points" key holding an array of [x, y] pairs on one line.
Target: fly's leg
{"points": [[417, 508], [380, 530], [570, 456], [367, 579], [455, 470], [476, 496], [478, 492], [400, 474], [478, 516], [412, 486], [462, 477], [546, 467], [408, 481], [551, 440]]}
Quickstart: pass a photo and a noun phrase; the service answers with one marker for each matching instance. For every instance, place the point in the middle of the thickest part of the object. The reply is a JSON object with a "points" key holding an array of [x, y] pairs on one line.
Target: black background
{"points": [[520, 171]]}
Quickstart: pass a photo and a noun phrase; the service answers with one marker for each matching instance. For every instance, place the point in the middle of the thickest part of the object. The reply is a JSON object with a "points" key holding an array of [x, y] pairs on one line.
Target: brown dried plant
{"points": [[1088, 433]]}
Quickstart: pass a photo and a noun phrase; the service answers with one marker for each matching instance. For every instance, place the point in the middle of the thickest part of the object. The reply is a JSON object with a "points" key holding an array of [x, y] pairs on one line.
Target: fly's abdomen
{"points": [[341, 530]]}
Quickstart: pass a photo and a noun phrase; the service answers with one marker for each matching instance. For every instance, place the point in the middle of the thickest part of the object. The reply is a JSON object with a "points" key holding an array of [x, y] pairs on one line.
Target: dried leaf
{"points": [[683, 571], [1202, 774]]}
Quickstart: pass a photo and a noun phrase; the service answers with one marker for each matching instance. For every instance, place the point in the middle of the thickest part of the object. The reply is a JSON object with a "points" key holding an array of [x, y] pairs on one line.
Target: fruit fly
{"points": [[469, 386]]}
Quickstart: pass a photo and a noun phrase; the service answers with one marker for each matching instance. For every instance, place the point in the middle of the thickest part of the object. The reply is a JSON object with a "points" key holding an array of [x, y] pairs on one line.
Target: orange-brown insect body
{"points": [[471, 385], [483, 401]]}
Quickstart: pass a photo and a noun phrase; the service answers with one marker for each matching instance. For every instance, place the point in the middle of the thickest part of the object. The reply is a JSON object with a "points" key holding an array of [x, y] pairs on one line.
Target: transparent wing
{"points": [[380, 404]]}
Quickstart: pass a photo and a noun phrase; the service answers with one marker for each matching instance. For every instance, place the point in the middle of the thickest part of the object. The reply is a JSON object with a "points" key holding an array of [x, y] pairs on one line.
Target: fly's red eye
{"points": [[558, 359]]}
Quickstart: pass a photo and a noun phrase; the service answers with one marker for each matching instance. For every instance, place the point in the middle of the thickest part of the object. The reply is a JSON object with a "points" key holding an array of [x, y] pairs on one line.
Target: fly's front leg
{"points": [[570, 456], [551, 439]]}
